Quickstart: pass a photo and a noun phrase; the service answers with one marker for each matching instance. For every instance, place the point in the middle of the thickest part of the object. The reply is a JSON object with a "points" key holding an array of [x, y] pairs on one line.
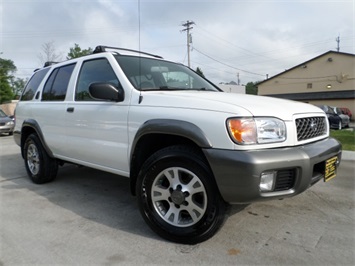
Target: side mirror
{"points": [[106, 91]]}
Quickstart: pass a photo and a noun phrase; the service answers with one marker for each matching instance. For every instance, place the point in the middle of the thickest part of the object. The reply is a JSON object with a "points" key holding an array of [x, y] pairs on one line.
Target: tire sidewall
{"points": [[210, 221], [32, 140], [47, 166]]}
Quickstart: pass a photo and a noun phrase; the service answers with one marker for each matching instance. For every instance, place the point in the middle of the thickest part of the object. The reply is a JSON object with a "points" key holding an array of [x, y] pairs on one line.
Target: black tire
{"points": [[39, 166], [187, 209]]}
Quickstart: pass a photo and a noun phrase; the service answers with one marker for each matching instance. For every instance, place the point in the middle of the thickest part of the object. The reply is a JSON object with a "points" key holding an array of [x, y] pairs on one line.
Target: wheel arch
{"points": [[30, 126], [156, 134]]}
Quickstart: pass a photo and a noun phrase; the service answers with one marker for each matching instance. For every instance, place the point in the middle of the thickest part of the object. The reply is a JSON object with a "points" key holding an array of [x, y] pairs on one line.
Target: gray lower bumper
{"points": [[237, 173], [17, 137]]}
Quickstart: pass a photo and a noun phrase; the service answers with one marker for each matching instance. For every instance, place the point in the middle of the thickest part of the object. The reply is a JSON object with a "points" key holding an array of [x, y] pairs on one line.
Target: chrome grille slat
{"points": [[310, 127]]}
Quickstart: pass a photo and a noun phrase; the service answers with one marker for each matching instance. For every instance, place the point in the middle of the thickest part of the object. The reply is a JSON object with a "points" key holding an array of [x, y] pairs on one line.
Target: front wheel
{"points": [[177, 196], [39, 166]]}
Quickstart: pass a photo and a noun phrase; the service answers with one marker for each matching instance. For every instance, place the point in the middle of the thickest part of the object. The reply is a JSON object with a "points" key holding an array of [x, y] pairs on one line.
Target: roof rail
{"points": [[49, 63], [102, 48]]}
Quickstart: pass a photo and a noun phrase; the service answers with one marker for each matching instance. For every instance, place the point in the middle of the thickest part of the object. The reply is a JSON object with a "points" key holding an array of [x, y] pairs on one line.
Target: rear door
{"points": [[50, 110]]}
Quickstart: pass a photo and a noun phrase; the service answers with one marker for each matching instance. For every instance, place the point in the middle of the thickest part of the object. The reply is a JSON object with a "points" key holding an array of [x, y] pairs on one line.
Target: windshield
{"points": [[152, 74], [330, 110], [2, 114]]}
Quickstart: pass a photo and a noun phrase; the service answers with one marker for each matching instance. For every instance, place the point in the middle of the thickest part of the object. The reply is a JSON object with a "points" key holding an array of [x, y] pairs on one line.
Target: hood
{"points": [[5, 119], [233, 103]]}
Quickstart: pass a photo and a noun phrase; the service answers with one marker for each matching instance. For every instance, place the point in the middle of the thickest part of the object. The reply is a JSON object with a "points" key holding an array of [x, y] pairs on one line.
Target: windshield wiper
{"points": [[168, 88], [176, 88], [149, 89], [162, 88]]}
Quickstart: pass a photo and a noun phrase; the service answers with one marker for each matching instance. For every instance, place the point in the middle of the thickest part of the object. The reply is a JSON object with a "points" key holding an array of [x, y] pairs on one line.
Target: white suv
{"points": [[188, 148]]}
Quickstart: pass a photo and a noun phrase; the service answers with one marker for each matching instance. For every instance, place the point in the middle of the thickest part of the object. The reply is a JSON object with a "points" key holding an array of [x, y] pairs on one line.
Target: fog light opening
{"points": [[267, 181]]}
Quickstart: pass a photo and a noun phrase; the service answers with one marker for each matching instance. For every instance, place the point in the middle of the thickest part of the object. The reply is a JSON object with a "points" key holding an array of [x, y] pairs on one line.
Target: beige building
{"points": [[326, 79], [9, 108]]}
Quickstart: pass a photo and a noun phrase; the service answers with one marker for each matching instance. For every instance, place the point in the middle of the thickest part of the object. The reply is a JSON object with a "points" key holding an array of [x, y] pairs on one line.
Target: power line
{"points": [[266, 54], [246, 71], [248, 52]]}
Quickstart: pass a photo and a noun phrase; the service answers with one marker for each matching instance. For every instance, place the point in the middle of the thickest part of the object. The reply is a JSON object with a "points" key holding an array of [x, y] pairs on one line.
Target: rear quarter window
{"points": [[32, 85]]}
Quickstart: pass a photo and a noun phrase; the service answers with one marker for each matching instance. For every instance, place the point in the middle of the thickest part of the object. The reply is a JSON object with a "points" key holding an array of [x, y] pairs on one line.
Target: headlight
{"points": [[10, 123], [256, 130]]}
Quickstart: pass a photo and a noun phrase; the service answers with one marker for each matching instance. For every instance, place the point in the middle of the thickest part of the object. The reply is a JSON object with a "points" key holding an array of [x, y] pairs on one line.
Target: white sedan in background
{"points": [[7, 123]]}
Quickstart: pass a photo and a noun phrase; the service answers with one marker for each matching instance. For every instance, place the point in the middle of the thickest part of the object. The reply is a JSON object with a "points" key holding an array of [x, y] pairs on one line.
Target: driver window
{"points": [[92, 71]]}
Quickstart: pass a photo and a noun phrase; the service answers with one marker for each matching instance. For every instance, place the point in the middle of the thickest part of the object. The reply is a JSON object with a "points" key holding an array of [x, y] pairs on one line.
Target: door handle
{"points": [[70, 109]]}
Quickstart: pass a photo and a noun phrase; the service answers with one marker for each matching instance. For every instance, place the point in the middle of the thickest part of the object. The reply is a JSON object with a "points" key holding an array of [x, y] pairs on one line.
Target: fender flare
{"points": [[35, 126], [172, 127], [168, 127]]}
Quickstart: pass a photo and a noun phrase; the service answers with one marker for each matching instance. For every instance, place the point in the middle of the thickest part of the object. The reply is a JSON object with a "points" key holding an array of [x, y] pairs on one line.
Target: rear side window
{"points": [[33, 84], [56, 86]]}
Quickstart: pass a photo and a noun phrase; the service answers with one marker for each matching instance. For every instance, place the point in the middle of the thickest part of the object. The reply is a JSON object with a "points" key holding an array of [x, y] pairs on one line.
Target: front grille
{"points": [[310, 127], [2, 124], [285, 179]]}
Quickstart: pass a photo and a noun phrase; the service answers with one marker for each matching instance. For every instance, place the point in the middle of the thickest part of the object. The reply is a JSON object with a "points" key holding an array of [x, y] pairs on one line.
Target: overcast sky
{"points": [[252, 38]]}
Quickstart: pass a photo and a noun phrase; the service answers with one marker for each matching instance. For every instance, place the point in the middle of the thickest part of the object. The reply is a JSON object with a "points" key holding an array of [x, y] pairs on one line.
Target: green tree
{"points": [[17, 86], [7, 68], [251, 88], [199, 71], [76, 52]]}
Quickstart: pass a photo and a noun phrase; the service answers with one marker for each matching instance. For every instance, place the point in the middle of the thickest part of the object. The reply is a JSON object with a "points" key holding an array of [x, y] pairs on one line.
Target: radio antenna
{"points": [[139, 25], [139, 49]]}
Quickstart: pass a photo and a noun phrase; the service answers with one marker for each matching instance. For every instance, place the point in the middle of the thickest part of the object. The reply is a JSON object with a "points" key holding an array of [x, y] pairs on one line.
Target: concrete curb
{"points": [[348, 155]]}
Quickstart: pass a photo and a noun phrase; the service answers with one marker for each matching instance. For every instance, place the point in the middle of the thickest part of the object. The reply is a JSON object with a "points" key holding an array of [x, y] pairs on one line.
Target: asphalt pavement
{"points": [[88, 217]]}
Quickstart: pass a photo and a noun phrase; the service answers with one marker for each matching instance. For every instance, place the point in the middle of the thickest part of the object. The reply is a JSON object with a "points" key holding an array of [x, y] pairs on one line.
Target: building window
{"points": [[309, 85]]}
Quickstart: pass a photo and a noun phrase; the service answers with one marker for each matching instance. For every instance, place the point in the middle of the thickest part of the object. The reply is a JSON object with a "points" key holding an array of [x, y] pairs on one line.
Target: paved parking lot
{"points": [[87, 217]]}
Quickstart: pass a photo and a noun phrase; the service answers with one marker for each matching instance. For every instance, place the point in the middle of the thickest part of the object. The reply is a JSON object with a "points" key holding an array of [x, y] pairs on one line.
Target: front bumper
{"points": [[237, 173], [6, 129]]}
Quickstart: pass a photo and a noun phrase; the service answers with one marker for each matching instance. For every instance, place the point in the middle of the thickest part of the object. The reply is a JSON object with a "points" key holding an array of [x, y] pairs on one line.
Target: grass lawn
{"points": [[346, 137]]}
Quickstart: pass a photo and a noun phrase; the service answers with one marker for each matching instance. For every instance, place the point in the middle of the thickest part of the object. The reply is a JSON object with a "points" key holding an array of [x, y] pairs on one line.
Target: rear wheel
{"points": [[39, 166], [177, 196]]}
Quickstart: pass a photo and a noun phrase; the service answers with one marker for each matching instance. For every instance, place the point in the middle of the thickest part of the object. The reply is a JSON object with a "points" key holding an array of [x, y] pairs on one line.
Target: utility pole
{"points": [[338, 43], [188, 27]]}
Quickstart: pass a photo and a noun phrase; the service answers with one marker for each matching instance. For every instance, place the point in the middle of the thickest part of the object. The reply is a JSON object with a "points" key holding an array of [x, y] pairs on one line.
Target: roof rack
{"points": [[102, 48], [49, 63]]}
